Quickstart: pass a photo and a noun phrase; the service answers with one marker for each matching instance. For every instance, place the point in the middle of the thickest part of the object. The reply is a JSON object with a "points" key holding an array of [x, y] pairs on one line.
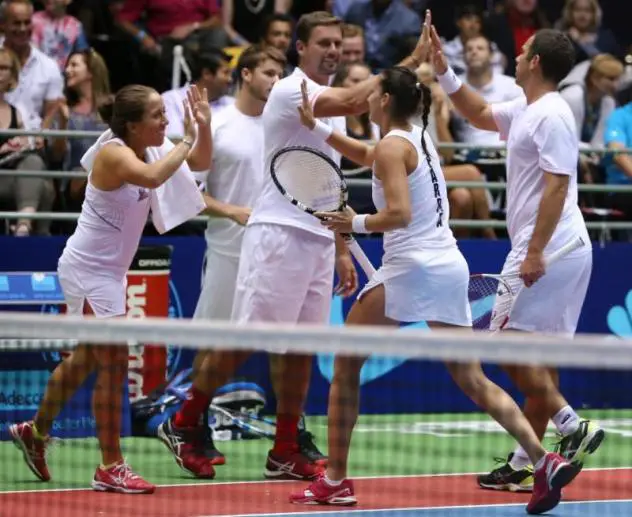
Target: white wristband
{"points": [[450, 81], [358, 223], [322, 130]]}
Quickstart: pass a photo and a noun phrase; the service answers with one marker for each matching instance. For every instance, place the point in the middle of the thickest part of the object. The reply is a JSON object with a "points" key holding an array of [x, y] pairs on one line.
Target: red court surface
{"points": [[257, 498]]}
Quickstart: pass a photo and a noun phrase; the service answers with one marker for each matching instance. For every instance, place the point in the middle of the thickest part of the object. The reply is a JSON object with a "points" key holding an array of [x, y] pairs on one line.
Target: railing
{"points": [[602, 226]]}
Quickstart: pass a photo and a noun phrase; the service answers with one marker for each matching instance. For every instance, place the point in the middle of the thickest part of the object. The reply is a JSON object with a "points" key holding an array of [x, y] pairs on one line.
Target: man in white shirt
{"points": [[41, 84], [233, 184], [489, 84], [210, 70], [288, 257], [469, 21], [542, 216]]}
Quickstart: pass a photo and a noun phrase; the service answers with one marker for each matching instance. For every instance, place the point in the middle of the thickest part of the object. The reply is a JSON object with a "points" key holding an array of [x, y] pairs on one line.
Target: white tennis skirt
{"points": [[106, 295], [428, 285]]}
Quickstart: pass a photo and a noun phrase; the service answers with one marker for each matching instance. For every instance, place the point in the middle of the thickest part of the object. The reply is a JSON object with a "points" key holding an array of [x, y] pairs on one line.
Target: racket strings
{"points": [[310, 180], [490, 301]]}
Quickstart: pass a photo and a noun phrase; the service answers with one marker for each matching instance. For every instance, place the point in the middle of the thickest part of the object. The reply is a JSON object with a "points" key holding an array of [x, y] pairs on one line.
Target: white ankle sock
{"points": [[566, 421], [540, 463], [520, 459], [331, 482]]}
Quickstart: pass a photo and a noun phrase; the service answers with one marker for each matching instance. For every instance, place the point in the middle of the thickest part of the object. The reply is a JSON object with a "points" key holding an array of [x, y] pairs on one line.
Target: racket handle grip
{"points": [[358, 253]]}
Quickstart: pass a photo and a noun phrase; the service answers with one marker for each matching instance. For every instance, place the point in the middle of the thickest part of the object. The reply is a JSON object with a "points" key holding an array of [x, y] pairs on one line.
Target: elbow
{"points": [[401, 217], [153, 182]]}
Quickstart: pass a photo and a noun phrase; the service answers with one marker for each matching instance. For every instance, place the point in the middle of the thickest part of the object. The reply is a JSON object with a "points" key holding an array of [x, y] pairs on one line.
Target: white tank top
{"points": [[428, 228], [109, 228]]}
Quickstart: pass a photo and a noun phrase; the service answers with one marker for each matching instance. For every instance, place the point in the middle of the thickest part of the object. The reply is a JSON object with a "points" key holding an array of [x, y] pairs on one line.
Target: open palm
{"points": [[200, 108]]}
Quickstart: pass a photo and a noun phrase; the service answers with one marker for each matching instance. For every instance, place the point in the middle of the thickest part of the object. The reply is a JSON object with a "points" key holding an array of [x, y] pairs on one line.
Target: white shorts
{"points": [[429, 285], [105, 295], [553, 304], [218, 287], [285, 275]]}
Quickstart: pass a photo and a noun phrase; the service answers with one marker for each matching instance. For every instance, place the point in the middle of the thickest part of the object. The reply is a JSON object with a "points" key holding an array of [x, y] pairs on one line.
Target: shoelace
{"points": [[125, 471], [49, 444]]}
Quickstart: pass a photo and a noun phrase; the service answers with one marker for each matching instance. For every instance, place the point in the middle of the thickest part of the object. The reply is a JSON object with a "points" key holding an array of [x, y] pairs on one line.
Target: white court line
{"points": [[413, 509], [265, 481]]}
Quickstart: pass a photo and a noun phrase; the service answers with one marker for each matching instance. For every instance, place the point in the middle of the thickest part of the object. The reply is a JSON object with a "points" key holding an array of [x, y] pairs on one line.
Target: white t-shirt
{"points": [[236, 174], [540, 137], [283, 128], [174, 110], [40, 81], [501, 88]]}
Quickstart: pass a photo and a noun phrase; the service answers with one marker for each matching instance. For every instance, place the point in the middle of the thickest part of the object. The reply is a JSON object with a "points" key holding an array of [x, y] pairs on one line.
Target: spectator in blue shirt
{"points": [[386, 23], [619, 167]]}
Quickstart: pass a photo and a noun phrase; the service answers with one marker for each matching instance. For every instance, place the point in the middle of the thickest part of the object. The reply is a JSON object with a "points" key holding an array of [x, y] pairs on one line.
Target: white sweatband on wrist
{"points": [[449, 81], [358, 223], [322, 130]]}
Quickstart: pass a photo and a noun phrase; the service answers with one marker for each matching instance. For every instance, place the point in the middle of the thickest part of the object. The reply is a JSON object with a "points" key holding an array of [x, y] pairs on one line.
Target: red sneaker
{"points": [[33, 450], [187, 447], [290, 465], [321, 492], [120, 479], [550, 478]]}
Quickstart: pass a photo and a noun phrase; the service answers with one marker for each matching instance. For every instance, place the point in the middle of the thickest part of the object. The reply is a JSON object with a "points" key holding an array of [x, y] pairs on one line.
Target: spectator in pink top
{"points": [[56, 33], [166, 23]]}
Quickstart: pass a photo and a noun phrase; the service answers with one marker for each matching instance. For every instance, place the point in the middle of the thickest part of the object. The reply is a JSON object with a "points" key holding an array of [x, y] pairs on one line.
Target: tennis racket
{"points": [[249, 423], [492, 297], [313, 182]]}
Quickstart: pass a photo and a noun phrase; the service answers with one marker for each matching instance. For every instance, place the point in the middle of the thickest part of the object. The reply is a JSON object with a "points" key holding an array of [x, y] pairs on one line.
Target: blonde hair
{"points": [[567, 15], [605, 64], [15, 67], [351, 31]]}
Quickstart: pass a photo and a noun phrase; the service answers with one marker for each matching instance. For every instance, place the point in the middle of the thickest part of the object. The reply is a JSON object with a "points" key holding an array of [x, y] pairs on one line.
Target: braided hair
{"points": [[408, 95]]}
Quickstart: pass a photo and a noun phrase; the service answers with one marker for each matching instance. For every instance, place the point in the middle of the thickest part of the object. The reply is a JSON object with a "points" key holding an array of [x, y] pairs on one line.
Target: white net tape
{"points": [[588, 350]]}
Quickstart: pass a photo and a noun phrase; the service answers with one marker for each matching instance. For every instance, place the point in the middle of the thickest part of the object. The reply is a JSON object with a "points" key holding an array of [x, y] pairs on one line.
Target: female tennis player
{"points": [[423, 277], [93, 266]]}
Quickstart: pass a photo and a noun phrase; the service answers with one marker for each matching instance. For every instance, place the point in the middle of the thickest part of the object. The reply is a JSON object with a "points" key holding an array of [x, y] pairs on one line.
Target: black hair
{"points": [[556, 52], [210, 60], [272, 18], [407, 95], [467, 10]]}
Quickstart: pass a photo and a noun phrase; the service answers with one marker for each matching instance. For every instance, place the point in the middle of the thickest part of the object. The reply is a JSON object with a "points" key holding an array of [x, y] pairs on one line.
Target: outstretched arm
{"points": [[469, 103], [338, 102], [355, 150]]}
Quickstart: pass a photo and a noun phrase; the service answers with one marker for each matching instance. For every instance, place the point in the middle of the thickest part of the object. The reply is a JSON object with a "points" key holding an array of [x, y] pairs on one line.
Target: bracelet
{"points": [[449, 81], [322, 130], [140, 35], [188, 142], [358, 223]]}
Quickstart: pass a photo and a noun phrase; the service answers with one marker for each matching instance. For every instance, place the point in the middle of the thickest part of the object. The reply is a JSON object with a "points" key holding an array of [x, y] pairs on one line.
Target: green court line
{"points": [[383, 445]]}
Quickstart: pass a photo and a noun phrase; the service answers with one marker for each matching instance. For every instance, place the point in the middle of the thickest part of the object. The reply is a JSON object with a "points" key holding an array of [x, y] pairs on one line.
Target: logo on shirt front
{"points": [[142, 194]]}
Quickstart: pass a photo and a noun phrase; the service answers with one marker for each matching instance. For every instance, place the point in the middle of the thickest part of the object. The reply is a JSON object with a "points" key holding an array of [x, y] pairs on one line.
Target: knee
{"points": [[472, 173], [113, 358], [460, 199], [470, 379], [32, 162]]}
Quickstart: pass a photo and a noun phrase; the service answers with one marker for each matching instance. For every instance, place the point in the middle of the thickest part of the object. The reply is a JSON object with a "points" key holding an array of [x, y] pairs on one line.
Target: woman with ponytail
{"points": [[423, 277]]}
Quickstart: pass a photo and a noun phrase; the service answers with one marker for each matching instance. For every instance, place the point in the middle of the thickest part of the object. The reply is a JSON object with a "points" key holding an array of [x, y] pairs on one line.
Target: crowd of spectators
{"points": [[60, 60]]}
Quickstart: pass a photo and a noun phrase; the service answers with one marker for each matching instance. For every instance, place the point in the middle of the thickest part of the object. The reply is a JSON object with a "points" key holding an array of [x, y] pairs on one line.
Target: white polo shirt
{"points": [[174, 109], [540, 138], [40, 81], [501, 88], [283, 128]]}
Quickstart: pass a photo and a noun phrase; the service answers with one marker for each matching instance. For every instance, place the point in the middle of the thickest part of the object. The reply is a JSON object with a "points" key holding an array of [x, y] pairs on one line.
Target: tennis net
{"points": [[420, 445]]}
